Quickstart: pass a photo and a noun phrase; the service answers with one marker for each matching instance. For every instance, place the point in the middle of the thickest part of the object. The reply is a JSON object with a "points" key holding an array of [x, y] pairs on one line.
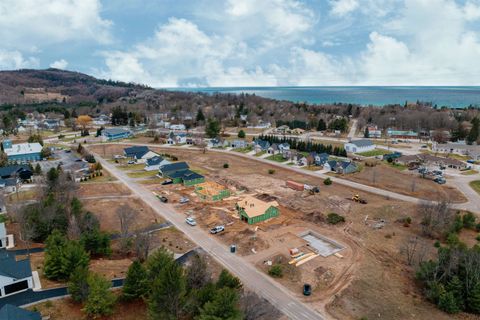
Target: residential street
{"points": [[252, 278]]}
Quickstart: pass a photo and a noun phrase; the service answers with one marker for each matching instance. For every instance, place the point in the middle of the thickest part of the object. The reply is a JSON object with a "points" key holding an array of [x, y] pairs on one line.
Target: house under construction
{"points": [[211, 191], [253, 210]]}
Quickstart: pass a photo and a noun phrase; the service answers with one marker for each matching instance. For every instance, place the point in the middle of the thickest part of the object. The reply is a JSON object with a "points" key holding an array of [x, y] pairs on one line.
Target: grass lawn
{"points": [[142, 174], [469, 172], [373, 153], [261, 153], [451, 155], [312, 168], [397, 166], [475, 185], [276, 157], [243, 150], [103, 178], [154, 180], [138, 166]]}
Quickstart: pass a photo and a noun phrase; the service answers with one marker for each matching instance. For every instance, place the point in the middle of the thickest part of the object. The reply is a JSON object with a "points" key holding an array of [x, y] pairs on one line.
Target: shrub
{"points": [[276, 271], [478, 237], [468, 220], [437, 244], [225, 165], [271, 171], [334, 218], [241, 134], [327, 181], [477, 227]]}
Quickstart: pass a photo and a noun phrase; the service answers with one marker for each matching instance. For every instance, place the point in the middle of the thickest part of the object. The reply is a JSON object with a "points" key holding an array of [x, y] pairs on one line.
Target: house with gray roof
{"points": [[15, 276], [139, 154], [358, 146], [473, 151], [341, 167], [261, 145], [111, 134], [155, 163]]}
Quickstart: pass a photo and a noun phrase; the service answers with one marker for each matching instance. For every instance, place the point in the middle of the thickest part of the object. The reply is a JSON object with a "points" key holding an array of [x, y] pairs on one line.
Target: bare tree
{"points": [[413, 185], [142, 244], [257, 308], [436, 217], [125, 216], [197, 273], [409, 249], [73, 230]]}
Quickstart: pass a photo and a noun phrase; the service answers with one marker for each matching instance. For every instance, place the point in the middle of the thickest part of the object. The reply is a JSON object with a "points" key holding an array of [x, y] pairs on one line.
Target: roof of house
{"points": [[254, 207], [11, 268], [346, 164], [430, 158], [113, 131], [402, 133], [24, 148], [284, 145], [136, 151], [3, 231], [459, 146], [8, 182], [191, 175], [11, 312], [176, 166], [264, 144], [156, 160], [10, 170], [362, 143]]}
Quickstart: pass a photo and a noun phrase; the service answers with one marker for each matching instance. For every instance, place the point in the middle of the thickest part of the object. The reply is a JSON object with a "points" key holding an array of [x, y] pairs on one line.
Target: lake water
{"points": [[457, 97]]}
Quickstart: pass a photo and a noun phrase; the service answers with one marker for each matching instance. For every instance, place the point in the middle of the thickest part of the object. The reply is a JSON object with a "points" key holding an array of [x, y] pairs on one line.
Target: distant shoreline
{"points": [[441, 96]]}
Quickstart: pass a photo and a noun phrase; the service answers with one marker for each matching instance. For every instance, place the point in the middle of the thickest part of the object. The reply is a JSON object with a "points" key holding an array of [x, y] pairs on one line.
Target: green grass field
{"points": [[475, 185], [243, 150], [397, 166], [469, 172], [276, 157], [142, 174], [373, 153], [261, 153]]}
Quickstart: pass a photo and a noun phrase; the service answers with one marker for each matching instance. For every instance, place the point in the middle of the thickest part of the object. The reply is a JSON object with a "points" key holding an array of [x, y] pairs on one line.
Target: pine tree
{"points": [[473, 299], [136, 282], [227, 280], [474, 132], [200, 117], [448, 303], [322, 126], [157, 261], [168, 291], [73, 256], [241, 134], [53, 255], [366, 134], [223, 306], [100, 299], [212, 129], [78, 284], [455, 286], [38, 169]]}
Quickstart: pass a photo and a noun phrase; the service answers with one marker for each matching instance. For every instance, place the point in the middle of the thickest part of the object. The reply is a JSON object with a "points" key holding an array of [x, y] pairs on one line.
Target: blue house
{"points": [[342, 167], [22, 152], [111, 134], [11, 312], [319, 158], [261, 145]]}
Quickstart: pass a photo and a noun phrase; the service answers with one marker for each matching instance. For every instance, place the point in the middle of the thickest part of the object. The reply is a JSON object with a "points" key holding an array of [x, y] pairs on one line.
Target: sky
{"points": [[231, 43]]}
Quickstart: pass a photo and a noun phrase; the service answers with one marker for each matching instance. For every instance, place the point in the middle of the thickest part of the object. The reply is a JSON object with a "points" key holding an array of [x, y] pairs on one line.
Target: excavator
{"points": [[357, 198]]}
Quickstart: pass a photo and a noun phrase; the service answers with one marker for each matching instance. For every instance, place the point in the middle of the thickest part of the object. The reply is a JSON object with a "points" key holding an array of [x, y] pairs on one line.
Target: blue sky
{"points": [[248, 42]]}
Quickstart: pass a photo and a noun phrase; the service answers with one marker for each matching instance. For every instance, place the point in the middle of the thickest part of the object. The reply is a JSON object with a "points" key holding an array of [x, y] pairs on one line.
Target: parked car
{"points": [[191, 221], [440, 180], [168, 181], [184, 200], [163, 199], [307, 289], [217, 229], [68, 151], [131, 162]]}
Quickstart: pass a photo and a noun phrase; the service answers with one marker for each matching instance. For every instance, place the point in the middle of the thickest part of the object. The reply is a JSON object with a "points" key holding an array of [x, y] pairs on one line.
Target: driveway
{"points": [[252, 278]]}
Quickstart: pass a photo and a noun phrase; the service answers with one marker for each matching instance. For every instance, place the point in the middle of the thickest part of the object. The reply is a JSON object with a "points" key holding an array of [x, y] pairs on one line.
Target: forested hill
{"points": [[33, 86]]}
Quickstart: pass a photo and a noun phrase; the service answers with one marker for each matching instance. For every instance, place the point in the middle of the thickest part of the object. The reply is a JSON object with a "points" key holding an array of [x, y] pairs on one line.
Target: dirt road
{"points": [[252, 278]]}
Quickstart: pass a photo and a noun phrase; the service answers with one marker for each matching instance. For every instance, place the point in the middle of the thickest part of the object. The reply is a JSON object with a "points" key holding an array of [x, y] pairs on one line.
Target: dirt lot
{"points": [[105, 210], [385, 177], [371, 279], [102, 189]]}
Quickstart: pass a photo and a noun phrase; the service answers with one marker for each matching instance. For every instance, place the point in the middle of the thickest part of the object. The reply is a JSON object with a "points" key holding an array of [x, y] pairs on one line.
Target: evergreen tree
{"points": [[78, 284], [448, 303], [53, 256], [241, 134], [100, 299], [212, 129], [455, 286], [366, 133], [73, 256], [474, 133], [223, 306], [226, 279], [136, 282], [168, 291], [200, 117], [96, 242], [322, 126], [157, 261], [38, 169], [473, 299]]}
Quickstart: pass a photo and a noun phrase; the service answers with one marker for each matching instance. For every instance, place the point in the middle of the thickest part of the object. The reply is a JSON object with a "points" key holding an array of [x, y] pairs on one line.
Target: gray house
{"points": [[342, 167], [15, 276], [237, 144]]}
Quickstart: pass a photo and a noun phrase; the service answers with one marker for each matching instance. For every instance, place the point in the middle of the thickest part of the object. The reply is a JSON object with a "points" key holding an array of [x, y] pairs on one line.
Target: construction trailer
{"points": [[253, 210], [211, 191], [295, 185]]}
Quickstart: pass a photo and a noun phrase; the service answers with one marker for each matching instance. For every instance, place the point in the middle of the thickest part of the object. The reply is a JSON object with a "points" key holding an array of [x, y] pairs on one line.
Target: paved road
{"points": [[252, 278], [472, 206], [353, 129]]}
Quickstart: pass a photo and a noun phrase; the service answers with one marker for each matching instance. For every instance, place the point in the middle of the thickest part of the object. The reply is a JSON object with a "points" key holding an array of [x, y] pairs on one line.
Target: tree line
{"points": [[303, 146]]}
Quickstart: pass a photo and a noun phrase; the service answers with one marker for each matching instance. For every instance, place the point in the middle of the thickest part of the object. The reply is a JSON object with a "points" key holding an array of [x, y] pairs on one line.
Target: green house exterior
{"points": [[225, 193], [269, 213], [192, 182]]}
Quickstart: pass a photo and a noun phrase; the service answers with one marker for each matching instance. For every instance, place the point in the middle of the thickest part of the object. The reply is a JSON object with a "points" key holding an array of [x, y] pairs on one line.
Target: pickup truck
{"points": [[217, 229]]}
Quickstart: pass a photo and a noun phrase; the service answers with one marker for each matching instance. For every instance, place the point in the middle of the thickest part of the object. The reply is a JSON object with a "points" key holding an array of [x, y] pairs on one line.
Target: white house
{"points": [[472, 151], [139, 154], [177, 127], [6, 240], [15, 276], [357, 146], [153, 164], [177, 138]]}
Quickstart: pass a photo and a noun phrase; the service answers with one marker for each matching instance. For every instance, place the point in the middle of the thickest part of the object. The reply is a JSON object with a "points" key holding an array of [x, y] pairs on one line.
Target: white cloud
{"points": [[10, 60], [343, 7], [27, 23], [59, 64]]}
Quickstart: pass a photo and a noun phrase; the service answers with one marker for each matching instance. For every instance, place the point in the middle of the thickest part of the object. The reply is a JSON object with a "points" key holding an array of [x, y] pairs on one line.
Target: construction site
{"points": [[346, 263]]}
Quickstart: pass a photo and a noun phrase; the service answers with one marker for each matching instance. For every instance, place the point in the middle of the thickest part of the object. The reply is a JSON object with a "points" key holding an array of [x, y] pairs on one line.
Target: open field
{"points": [[469, 172], [369, 279], [101, 189], [385, 177], [475, 185], [276, 157], [373, 153]]}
